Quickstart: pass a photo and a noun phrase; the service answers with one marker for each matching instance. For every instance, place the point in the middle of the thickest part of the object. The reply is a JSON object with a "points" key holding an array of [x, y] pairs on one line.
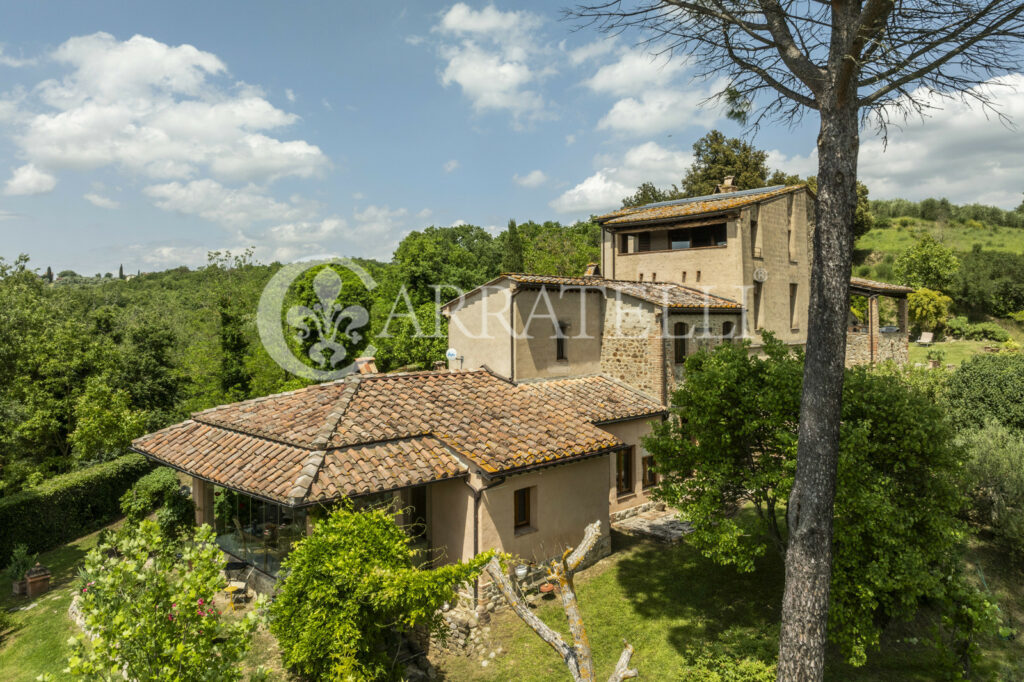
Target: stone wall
{"points": [[890, 346], [632, 346]]}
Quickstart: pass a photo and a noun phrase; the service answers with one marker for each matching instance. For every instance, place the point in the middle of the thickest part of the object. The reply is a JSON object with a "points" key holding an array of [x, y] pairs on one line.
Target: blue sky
{"points": [[150, 133]]}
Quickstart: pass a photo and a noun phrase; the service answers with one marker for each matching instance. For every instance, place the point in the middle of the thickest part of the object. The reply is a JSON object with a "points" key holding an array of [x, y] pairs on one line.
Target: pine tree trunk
{"points": [[809, 556]]}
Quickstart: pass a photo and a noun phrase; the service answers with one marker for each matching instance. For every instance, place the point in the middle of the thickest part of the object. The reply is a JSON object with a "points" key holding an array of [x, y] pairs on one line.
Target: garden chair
{"points": [[925, 339]]}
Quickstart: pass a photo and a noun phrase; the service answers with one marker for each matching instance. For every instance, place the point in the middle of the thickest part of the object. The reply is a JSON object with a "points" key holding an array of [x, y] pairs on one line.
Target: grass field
{"points": [[674, 606], [897, 238]]}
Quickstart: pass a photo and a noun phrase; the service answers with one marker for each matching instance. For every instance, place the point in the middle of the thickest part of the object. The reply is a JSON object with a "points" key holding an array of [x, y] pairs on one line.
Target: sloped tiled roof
{"points": [[859, 284], [666, 294], [596, 398], [372, 433], [693, 206]]}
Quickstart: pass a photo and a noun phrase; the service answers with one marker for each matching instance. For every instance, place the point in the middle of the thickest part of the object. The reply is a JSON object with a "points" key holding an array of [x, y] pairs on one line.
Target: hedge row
{"points": [[68, 506]]}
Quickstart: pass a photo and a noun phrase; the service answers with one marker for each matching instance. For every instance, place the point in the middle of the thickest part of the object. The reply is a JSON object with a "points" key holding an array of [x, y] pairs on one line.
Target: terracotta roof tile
{"points": [[379, 432], [694, 206]]}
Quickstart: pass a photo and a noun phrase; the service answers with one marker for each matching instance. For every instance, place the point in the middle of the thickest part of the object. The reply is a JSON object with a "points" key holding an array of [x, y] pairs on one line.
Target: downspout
{"points": [[512, 332], [476, 542]]}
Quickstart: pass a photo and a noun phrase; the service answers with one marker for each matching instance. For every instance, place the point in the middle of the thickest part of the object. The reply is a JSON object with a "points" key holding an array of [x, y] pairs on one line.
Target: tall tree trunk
{"points": [[809, 556]]}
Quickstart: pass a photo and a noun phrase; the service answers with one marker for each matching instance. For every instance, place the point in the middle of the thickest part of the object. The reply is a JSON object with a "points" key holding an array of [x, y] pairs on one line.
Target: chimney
{"points": [[726, 186], [593, 270], [366, 365], [440, 365]]}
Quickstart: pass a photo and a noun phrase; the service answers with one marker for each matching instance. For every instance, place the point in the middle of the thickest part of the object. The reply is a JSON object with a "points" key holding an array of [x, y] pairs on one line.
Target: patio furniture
{"points": [[237, 592], [925, 339]]}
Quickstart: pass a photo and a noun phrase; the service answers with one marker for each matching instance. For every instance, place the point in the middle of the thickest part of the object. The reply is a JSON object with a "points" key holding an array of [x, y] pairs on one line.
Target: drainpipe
{"points": [[476, 541]]}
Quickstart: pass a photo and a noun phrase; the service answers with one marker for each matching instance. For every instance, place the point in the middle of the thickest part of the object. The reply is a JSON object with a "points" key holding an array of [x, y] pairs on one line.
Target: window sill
{"points": [[619, 497], [525, 530], [692, 248]]}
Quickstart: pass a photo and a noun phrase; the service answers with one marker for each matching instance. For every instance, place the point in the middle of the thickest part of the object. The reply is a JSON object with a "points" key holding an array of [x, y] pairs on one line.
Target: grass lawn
{"points": [[37, 642], [955, 351], [673, 605]]}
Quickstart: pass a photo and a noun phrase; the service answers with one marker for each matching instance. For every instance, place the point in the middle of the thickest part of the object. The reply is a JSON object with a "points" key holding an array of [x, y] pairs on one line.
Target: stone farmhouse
{"points": [[535, 428]]}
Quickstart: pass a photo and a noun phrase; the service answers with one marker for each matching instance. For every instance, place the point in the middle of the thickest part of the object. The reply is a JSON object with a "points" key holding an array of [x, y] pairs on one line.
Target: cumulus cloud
{"points": [[290, 94], [231, 207], [28, 179], [635, 72], [306, 232], [159, 110], [14, 62], [100, 201], [958, 152], [534, 178], [619, 177], [492, 56], [594, 50], [450, 166], [660, 110]]}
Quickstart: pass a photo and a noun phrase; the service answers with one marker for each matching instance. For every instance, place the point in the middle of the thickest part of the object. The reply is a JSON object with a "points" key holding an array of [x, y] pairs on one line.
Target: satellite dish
{"points": [[451, 354], [760, 275]]}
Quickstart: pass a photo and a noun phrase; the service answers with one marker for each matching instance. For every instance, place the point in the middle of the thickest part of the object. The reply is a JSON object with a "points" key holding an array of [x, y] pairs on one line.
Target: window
{"points": [[680, 331], [649, 477], [684, 277], [641, 276], [521, 514], [696, 237], [789, 241], [654, 277], [727, 330], [698, 275], [624, 471], [623, 243], [754, 245], [560, 341], [757, 304], [643, 241], [794, 319]]}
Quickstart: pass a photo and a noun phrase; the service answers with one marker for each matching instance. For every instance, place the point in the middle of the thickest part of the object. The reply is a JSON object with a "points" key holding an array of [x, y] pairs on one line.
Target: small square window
{"points": [[560, 353]]}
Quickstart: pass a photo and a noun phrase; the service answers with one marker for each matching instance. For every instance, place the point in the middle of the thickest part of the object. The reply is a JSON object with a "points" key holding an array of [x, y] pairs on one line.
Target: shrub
{"points": [[995, 477], [349, 585], [65, 507], [988, 387], [960, 328], [159, 490], [19, 564], [154, 620]]}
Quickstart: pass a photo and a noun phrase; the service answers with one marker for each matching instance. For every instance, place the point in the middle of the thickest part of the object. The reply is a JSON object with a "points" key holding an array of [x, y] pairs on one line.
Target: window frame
{"points": [[561, 352], [624, 475], [526, 495], [648, 478]]}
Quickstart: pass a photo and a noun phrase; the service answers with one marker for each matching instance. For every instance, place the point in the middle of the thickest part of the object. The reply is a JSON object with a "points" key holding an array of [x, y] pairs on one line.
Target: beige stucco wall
{"points": [[629, 432], [565, 499], [450, 505], [479, 329], [720, 267], [784, 262], [535, 347]]}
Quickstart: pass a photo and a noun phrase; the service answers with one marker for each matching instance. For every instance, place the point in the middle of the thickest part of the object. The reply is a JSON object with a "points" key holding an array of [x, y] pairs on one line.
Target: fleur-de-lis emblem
{"points": [[325, 320]]}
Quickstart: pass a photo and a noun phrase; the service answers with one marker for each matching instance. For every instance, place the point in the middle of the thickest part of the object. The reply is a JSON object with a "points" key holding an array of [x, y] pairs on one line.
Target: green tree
{"points": [[349, 587], [928, 308], [733, 442], [105, 422], [995, 480], [715, 156], [512, 249], [154, 619], [927, 264], [648, 193]]}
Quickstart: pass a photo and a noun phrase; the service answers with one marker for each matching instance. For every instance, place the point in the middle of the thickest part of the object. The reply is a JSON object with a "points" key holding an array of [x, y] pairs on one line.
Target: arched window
{"points": [[727, 330], [680, 331]]}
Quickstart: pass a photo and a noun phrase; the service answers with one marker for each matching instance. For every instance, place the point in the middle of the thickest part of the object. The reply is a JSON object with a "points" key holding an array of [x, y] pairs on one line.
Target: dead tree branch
{"points": [[577, 656]]}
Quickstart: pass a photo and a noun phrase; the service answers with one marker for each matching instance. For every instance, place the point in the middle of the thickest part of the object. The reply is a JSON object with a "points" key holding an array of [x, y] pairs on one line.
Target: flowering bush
{"points": [[153, 612]]}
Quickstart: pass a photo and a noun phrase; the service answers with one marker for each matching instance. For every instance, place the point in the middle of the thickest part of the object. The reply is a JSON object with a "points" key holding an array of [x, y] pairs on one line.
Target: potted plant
{"points": [[17, 567]]}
